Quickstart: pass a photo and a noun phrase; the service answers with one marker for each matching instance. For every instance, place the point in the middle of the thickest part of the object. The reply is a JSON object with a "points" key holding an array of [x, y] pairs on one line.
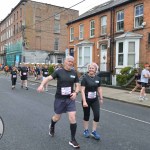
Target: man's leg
{"points": [[73, 127], [54, 119]]}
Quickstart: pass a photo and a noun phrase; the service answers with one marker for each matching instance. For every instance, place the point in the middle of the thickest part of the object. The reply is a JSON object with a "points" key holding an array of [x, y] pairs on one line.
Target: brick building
{"points": [[115, 34], [35, 32]]}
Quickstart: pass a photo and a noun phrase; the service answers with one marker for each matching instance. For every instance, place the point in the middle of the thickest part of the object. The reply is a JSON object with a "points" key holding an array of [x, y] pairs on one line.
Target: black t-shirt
{"points": [[24, 71], [91, 85], [13, 74], [65, 82], [45, 72]]}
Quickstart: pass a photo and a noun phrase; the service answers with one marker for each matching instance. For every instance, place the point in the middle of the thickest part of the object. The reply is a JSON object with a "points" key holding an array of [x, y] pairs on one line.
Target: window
{"points": [[56, 44], [20, 12], [103, 25], [81, 30], [17, 28], [14, 30], [138, 16], [17, 14], [59, 60], [57, 17], [14, 17], [72, 52], [92, 28], [131, 53], [85, 56], [120, 54], [120, 21], [71, 34], [56, 26]]}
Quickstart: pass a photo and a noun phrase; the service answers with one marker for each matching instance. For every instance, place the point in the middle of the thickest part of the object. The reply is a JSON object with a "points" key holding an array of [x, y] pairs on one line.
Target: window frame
{"points": [[56, 44], [81, 31], [103, 24], [120, 53], [71, 34], [83, 52], [138, 15], [92, 29], [131, 53], [119, 21]]}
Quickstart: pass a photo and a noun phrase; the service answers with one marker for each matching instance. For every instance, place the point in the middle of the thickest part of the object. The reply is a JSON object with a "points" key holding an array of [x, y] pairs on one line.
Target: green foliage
{"points": [[125, 70], [125, 75], [50, 69]]}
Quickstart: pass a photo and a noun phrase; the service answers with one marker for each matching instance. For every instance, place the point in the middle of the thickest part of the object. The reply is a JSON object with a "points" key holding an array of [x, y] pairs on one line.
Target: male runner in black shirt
{"points": [[65, 97]]}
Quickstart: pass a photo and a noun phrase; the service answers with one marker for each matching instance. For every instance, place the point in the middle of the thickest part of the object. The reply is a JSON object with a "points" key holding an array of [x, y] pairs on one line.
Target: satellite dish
{"points": [[1, 127]]}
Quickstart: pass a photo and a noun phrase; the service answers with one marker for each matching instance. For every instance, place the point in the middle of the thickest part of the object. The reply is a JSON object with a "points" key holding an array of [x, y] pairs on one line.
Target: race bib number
{"points": [[45, 72], [65, 90], [24, 73], [91, 95], [14, 76]]}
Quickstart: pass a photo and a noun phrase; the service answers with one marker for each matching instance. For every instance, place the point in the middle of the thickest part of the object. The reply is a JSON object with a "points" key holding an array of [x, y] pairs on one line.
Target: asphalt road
{"points": [[26, 115]]}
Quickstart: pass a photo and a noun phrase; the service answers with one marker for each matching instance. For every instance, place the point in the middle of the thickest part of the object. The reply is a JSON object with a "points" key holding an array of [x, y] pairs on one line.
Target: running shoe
{"points": [[141, 99], [86, 133], [21, 86], [26, 88], [74, 144], [51, 130], [95, 135]]}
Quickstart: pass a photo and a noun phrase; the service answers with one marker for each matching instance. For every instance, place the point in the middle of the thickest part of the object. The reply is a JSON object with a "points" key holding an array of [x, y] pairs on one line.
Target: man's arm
{"points": [[46, 80]]}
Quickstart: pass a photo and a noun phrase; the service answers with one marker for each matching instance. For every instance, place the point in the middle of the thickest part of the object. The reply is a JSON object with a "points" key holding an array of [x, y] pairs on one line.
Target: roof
{"points": [[129, 35], [100, 8]]}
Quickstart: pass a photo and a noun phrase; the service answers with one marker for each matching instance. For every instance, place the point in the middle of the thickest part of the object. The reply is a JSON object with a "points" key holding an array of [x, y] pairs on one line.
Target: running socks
{"points": [[52, 123], [73, 128]]}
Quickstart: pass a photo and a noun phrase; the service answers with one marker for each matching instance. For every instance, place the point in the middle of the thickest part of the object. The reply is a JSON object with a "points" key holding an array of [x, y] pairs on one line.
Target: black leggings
{"points": [[95, 108], [14, 81]]}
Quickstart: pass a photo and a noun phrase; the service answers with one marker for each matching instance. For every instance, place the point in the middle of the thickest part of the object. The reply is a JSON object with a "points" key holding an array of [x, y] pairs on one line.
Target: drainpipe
{"points": [[112, 39]]}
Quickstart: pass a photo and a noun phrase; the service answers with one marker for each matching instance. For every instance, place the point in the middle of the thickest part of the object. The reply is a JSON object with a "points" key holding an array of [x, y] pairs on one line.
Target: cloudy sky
{"points": [[7, 5]]}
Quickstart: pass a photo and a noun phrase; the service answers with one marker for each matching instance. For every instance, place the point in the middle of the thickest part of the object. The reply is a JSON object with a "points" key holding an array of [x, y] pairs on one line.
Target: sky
{"points": [[7, 5]]}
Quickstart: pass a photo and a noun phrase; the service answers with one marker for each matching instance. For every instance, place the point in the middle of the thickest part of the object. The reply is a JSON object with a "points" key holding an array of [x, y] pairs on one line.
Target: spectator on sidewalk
{"points": [[137, 81], [145, 75], [90, 89], [65, 97]]}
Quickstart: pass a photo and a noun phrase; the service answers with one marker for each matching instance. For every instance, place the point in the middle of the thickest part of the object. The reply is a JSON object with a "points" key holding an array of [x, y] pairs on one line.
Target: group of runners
{"points": [[23, 71], [68, 87]]}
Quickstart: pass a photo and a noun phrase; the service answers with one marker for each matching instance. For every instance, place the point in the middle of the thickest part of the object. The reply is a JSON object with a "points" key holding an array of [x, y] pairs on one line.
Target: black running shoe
{"points": [[74, 144], [26, 88], [51, 130]]}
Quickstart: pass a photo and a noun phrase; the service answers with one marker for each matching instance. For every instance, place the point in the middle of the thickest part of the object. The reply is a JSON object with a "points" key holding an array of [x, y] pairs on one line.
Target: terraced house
{"points": [[115, 34], [34, 32]]}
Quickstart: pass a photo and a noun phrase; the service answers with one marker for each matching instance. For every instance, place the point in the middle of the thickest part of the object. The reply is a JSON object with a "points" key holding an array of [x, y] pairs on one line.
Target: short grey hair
{"points": [[69, 57]]}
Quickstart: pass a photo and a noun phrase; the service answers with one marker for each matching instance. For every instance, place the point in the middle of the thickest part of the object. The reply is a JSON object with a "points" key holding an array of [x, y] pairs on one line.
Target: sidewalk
{"points": [[114, 94]]}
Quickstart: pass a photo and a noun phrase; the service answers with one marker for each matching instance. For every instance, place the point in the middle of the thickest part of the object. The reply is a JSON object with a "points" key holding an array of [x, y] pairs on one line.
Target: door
{"points": [[103, 59]]}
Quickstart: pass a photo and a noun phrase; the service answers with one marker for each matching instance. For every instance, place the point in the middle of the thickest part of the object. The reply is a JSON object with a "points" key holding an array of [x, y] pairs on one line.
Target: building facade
{"points": [[115, 34], [35, 32]]}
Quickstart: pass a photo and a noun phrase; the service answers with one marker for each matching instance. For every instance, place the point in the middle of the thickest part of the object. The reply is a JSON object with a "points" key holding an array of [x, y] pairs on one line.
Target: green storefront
{"points": [[14, 54]]}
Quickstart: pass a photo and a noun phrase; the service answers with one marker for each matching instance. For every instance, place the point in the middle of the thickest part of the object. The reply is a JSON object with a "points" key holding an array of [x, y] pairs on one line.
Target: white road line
{"points": [[105, 110], [125, 116]]}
